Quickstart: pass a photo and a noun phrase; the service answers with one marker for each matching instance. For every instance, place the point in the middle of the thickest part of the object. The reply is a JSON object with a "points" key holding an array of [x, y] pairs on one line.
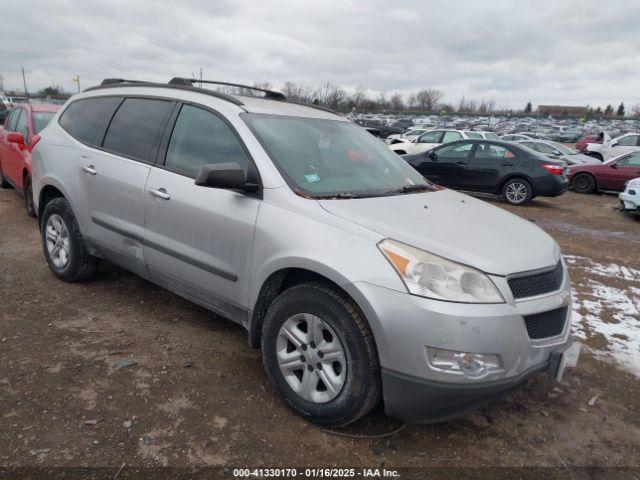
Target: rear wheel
{"points": [[28, 197], [64, 247], [584, 183], [320, 355], [517, 191]]}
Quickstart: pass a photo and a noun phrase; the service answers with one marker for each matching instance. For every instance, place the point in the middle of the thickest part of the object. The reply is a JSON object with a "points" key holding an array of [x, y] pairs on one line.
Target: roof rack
{"points": [[270, 94], [115, 81]]}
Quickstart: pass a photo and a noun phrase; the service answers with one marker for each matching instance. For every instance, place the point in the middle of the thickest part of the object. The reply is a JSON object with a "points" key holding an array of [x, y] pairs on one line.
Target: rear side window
{"points": [[85, 119], [135, 127], [201, 138], [487, 150], [451, 137], [473, 135], [430, 137]]}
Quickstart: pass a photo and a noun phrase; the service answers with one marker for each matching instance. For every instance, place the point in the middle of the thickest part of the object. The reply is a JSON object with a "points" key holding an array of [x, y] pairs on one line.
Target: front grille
{"points": [[537, 284], [546, 324]]}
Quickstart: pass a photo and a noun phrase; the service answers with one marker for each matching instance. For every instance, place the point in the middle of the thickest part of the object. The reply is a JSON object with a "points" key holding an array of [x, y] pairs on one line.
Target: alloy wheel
{"points": [[516, 192], [58, 242], [311, 358]]}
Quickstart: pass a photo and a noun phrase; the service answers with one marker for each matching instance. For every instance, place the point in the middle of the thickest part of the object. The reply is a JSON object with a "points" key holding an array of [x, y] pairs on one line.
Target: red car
{"points": [[17, 139], [610, 175], [581, 145]]}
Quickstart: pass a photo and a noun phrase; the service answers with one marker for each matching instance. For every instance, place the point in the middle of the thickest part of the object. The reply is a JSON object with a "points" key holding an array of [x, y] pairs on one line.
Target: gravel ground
{"points": [[117, 370]]}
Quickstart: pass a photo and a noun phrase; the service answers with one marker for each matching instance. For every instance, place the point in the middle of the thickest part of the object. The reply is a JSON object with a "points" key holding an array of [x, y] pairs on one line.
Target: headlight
{"points": [[435, 277]]}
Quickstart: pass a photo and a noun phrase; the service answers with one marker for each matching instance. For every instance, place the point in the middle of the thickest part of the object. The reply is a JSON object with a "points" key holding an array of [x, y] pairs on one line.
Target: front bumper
{"points": [[405, 326]]}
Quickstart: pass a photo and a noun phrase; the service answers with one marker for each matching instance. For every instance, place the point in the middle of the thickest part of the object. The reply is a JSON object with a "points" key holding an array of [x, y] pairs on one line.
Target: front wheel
{"points": [[3, 182], [28, 197], [64, 247], [320, 355], [517, 191], [584, 183]]}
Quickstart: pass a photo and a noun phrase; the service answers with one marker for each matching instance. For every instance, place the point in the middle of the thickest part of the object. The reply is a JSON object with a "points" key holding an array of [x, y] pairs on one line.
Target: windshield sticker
{"points": [[313, 177]]}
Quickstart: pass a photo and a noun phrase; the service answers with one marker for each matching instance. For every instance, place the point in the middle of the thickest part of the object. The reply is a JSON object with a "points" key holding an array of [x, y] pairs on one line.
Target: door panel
{"points": [[198, 240], [13, 155], [488, 166], [112, 190], [625, 169], [447, 165]]}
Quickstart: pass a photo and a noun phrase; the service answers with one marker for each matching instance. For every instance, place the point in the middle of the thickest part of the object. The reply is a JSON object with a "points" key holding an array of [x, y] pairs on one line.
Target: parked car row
{"points": [[18, 137], [342, 261]]}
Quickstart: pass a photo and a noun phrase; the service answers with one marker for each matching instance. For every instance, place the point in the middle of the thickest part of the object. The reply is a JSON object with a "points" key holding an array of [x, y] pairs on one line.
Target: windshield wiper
{"points": [[336, 196], [412, 188]]}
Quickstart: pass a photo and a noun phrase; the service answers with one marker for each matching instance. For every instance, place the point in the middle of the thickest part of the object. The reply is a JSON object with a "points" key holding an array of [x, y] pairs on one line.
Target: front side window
{"points": [[328, 158], [430, 137], [630, 161], [455, 150], [84, 119], [22, 126], [200, 138], [451, 137], [135, 126], [628, 141], [15, 115], [41, 120]]}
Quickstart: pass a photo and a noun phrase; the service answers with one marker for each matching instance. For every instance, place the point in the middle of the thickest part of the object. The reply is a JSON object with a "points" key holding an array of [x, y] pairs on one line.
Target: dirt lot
{"points": [[117, 370]]}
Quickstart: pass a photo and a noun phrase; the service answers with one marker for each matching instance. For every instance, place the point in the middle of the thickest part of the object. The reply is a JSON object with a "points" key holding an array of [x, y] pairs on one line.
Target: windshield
{"points": [[41, 119], [333, 158], [563, 149]]}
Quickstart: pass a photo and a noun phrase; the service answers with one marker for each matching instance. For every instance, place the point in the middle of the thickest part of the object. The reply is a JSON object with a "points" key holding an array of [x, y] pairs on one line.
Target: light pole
{"points": [[76, 79]]}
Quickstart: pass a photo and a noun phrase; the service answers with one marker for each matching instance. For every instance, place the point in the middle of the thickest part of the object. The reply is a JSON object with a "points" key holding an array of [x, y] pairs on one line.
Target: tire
{"points": [[584, 183], [354, 372], [71, 261], [28, 197], [3, 182], [517, 191]]}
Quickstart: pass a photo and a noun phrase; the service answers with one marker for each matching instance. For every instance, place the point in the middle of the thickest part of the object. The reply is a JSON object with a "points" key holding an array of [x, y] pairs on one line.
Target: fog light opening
{"points": [[471, 365]]}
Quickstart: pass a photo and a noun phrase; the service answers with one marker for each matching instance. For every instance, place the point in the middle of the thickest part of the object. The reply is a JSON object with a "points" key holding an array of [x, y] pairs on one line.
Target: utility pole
{"points": [[1, 84], [24, 82], [200, 77], [76, 79]]}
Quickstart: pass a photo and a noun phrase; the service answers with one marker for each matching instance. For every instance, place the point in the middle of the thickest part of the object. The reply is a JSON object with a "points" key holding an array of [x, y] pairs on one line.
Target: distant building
{"points": [[562, 110]]}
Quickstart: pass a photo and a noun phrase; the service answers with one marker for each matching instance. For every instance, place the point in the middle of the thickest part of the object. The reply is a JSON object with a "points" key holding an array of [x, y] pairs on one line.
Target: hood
{"points": [[454, 226]]}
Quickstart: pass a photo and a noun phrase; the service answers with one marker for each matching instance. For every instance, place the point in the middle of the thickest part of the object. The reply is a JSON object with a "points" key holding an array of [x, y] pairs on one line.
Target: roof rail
{"points": [[120, 82], [114, 81], [270, 94]]}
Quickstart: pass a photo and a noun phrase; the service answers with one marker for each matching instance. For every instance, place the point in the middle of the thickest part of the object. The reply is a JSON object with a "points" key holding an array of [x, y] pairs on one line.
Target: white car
{"points": [[630, 198], [427, 141], [477, 134], [519, 137], [629, 142], [410, 134]]}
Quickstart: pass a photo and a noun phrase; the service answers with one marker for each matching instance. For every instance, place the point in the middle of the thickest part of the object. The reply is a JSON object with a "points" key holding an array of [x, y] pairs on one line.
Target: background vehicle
{"points": [[279, 216], [630, 197], [581, 144], [427, 141], [492, 166], [611, 175], [557, 151], [17, 139], [517, 137], [629, 142], [481, 134], [409, 135]]}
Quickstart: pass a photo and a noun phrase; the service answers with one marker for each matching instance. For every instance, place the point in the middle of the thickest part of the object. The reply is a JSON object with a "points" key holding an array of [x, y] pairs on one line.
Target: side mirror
{"points": [[614, 144], [432, 155], [228, 176], [613, 165], [15, 137], [557, 153]]}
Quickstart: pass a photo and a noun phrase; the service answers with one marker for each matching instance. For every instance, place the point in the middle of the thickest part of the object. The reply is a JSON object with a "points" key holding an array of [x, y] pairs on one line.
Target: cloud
{"points": [[574, 52]]}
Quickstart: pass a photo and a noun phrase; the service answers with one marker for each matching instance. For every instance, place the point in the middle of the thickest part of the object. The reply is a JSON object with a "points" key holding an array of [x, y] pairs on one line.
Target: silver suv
{"points": [[360, 280]]}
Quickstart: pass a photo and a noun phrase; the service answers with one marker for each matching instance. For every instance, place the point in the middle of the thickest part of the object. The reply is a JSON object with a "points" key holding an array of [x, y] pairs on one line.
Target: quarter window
{"points": [[202, 138], [134, 129], [85, 119]]}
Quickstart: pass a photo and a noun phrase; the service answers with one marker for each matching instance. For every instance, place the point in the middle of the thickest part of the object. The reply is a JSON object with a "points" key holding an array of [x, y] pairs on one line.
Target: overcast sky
{"points": [[573, 52]]}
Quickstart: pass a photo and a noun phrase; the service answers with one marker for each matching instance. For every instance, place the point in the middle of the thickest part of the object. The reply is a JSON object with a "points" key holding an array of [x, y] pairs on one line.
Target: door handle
{"points": [[90, 169], [507, 164], [461, 162], [160, 193]]}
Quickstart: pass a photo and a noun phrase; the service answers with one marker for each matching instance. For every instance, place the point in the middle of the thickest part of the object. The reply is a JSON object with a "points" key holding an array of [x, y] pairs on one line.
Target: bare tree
{"points": [[428, 98], [397, 102], [635, 110]]}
